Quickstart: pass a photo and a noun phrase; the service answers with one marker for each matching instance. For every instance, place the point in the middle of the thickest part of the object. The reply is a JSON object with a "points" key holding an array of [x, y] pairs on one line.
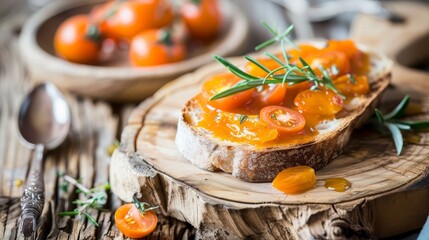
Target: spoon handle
{"points": [[33, 198]]}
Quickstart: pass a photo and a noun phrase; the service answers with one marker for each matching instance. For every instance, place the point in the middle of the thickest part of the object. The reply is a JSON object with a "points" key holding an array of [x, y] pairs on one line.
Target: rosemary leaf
{"points": [[275, 58], [257, 63], [399, 110], [379, 115], [397, 136], [91, 219], [243, 118], [70, 213], [231, 66], [417, 126], [352, 79]]}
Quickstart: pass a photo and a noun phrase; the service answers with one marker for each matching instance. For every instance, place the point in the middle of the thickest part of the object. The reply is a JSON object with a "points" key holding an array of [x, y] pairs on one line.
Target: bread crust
{"points": [[261, 165]]}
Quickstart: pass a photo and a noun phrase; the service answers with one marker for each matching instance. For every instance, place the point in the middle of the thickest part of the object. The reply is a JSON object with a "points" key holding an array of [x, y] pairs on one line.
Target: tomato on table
{"points": [[320, 102], [125, 19], [155, 47], [76, 40], [134, 221], [221, 82], [202, 18], [284, 119], [256, 71], [295, 180], [304, 51]]}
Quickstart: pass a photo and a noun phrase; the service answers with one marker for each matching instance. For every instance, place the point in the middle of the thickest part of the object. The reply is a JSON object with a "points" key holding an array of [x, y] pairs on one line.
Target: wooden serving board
{"points": [[389, 193]]}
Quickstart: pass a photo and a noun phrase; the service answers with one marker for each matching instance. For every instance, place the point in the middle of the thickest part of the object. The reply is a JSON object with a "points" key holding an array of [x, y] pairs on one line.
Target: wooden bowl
{"points": [[115, 81]]}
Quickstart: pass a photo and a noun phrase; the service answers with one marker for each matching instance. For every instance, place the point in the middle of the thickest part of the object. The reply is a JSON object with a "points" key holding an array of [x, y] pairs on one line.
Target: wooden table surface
{"points": [[83, 155]]}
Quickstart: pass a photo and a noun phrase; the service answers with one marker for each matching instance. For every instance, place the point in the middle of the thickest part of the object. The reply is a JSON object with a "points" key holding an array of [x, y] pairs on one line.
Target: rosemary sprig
{"points": [[141, 205], [94, 198], [391, 121], [293, 74]]}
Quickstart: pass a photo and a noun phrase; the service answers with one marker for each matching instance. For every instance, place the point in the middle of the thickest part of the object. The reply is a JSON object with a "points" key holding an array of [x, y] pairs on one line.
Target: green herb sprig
{"points": [[293, 74], [141, 205], [393, 123], [94, 198]]}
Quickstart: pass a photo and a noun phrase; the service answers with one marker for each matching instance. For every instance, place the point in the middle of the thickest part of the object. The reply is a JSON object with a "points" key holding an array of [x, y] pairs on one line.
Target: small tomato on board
{"points": [[284, 119], [202, 18], [352, 86], [295, 180], [134, 221], [155, 47], [76, 40], [220, 82]]}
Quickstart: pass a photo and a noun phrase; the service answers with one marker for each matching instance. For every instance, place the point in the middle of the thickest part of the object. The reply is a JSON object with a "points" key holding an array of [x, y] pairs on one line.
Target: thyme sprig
{"points": [[393, 123], [94, 198], [293, 74]]}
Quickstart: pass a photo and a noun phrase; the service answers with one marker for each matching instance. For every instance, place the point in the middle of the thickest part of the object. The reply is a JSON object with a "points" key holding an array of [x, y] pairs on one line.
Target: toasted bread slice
{"points": [[253, 164]]}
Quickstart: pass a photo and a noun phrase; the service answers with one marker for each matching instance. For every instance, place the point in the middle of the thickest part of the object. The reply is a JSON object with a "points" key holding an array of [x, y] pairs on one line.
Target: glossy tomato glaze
{"points": [[233, 119]]}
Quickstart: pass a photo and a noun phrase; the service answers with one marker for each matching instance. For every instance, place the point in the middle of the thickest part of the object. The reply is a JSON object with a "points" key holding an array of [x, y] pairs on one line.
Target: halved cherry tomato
{"points": [[202, 18], [132, 223], [283, 119], [346, 46], [155, 47], [320, 102], [295, 180], [345, 86], [221, 82], [75, 42], [272, 94], [125, 19]]}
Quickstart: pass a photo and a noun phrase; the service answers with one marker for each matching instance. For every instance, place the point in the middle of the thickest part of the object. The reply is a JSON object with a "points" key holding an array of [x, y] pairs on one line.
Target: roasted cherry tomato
{"points": [[320, 102], [202, 18], [76, 40], [256, 71], [346, 86], [221, 82], [125, 19], [284, 119], [272, 94], [345, 46], [155, 47], [327, 60], [304, 52], [133, 223], [295, 180]]}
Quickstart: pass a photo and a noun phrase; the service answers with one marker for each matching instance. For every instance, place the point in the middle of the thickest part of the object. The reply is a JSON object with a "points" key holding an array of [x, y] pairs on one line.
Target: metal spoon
{"points": [[44, 122]]}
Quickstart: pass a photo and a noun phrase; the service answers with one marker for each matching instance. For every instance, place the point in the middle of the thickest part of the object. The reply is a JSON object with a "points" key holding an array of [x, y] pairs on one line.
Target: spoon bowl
{"points": [[44, 122]]}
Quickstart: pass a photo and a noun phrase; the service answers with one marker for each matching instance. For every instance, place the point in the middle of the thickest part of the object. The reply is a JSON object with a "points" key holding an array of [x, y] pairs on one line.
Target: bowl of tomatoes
{"points": [[126, 50]]}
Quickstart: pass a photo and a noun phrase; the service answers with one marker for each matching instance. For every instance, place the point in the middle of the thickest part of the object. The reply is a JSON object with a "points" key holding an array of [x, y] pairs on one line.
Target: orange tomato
{"points": [[221, 82], [73, 40], [202, 18], [345, 86], [272, 94], [256, 71], [155, 47], [295, 180], [125, 19], [132, 223], [328, 59], [345, 46], [320, 102], [304, 51], [285, 120]]}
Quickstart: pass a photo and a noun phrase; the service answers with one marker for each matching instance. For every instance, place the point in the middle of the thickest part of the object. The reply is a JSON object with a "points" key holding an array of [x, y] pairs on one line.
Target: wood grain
{"points": [[116, 80], [219, 204], [83, 155]]}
